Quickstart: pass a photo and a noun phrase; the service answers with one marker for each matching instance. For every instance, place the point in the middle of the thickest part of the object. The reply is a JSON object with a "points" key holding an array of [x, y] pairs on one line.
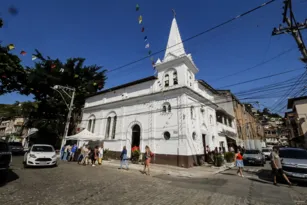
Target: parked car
{"points": [[16, 147], [254, 157], [40, 155], [5, 161], [267, 153], [294, 163]]}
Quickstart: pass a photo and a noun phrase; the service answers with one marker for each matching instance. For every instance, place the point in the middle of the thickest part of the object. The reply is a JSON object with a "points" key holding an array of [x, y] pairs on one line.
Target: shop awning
{"points": [[85, 135]]}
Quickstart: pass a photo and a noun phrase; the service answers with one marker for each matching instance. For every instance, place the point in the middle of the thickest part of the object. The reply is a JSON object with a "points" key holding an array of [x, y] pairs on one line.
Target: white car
{"points": [[267, 152], [40, 155]]}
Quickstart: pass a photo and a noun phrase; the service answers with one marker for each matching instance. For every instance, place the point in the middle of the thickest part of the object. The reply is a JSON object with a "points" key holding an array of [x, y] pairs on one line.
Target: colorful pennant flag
{"points": [[76, 75], [137, 7], [140, 19], [149, 52], [34, 57], [13, 11], [143, 29], [53, 66], [11, 46], [145, 38], [147, 45], [1, 23], [62, 70], [23, 53]]}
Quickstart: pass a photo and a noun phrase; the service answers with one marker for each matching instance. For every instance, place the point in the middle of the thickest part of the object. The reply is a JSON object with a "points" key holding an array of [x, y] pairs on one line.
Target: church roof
{"points": [[174, 44], [125, 85], [206, 85]]}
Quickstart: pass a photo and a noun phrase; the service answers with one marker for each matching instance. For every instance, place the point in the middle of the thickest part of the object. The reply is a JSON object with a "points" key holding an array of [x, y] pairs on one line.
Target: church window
{"points": [[192, 112], [114, 126], [167, 135], [166, 82], [194, 135], [93, 125], [89, 125], [166, 107], [175, 78], [108, 127]]}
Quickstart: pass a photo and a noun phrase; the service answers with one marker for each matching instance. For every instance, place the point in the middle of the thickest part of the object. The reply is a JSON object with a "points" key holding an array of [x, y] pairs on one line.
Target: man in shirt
{"points": [[276, 166], [73, 151]]}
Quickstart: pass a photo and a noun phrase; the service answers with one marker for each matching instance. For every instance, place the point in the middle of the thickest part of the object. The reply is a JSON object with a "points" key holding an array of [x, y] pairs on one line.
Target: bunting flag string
{"points": [[23, 53], [147, 44]]}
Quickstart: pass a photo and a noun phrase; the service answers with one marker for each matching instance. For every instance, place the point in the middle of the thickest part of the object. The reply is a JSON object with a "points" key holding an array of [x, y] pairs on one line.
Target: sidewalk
{"points": [[157, 169]]}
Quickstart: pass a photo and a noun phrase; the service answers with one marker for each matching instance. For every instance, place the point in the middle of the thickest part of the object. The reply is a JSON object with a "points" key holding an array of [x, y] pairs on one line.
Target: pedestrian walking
{"points": [[100, 154], [86, 153], [94, 156], [72, 153], [81, 155], [239, 163], [62, 152], [124, 158], [276, 166], [148, 156]]}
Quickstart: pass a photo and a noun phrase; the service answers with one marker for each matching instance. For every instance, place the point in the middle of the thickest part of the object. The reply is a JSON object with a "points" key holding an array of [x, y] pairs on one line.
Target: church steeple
{"points": [[175, 46]]}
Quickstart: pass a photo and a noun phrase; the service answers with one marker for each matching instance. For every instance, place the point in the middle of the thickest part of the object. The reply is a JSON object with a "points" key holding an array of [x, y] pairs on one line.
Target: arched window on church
{"points": [[175, 78], [108, 127], [114, 127], [166, 107], [166, 80]]}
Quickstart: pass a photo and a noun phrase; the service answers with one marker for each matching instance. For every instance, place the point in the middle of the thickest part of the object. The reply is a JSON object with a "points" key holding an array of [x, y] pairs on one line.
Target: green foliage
{"points": [[106, 154], [13, 76], [135, 156], [50, 110], [229, 156]]}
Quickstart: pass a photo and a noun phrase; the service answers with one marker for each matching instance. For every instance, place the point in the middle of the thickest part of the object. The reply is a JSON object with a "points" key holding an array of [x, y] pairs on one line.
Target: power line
{"points": [[257, 65], [195, 36], [256, 79]]}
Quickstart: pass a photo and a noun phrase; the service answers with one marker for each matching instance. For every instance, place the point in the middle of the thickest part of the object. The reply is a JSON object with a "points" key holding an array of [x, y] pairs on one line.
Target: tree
{"points": [[12, 75], [50, 115]]}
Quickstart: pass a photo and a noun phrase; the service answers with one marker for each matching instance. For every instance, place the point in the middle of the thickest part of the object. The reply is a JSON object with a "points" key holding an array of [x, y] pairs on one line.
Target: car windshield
{"points": [[42, 149], [15, 144], [252, 152], [266, 150], [3, 147], [293, 154]]}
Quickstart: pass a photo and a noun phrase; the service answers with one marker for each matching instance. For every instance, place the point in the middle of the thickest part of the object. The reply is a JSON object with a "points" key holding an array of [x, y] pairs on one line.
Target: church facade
{"points": [[173, 113]]}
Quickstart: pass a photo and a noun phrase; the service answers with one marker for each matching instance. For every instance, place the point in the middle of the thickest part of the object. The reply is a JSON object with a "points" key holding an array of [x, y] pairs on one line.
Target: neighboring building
{"points": [[11, 127], [173, 113], [249, 131], [271, 136], [296, 121]]}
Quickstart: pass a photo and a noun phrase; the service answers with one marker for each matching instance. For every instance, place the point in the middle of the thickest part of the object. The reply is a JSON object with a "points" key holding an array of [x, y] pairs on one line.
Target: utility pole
{"points": [[292, 27]]}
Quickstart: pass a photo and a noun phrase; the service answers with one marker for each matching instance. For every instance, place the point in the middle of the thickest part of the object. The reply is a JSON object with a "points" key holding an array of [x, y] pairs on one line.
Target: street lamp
{"points": [[59, 88]]}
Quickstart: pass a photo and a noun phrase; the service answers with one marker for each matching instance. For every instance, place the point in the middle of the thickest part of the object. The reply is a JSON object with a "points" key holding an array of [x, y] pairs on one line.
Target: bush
{"points": [[105, 154], [229, 156], [219, 160], [135, 156]]}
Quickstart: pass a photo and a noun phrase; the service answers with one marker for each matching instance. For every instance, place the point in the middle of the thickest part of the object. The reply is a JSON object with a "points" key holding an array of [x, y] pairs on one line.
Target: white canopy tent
{"points": [[85, 135]]}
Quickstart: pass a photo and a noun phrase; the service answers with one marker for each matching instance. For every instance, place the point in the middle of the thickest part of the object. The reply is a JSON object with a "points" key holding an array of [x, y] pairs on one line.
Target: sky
{"points": [[107, 33]]}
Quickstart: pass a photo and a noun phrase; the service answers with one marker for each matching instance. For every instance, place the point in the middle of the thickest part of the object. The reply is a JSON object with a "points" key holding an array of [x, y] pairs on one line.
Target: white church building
{"points": [[173, 113]]}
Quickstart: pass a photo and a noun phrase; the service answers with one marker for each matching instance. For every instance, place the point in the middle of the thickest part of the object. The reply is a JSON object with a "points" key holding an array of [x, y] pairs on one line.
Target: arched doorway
{"points": [[136, 135]]}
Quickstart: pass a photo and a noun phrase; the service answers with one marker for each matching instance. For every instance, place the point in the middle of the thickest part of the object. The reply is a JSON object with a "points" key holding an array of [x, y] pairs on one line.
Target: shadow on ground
{"points": [[265, 176], [12, 176]]}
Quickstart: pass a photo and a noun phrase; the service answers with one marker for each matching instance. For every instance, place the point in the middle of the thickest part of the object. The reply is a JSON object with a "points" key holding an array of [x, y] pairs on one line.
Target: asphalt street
{"points": [[70, 183]]}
